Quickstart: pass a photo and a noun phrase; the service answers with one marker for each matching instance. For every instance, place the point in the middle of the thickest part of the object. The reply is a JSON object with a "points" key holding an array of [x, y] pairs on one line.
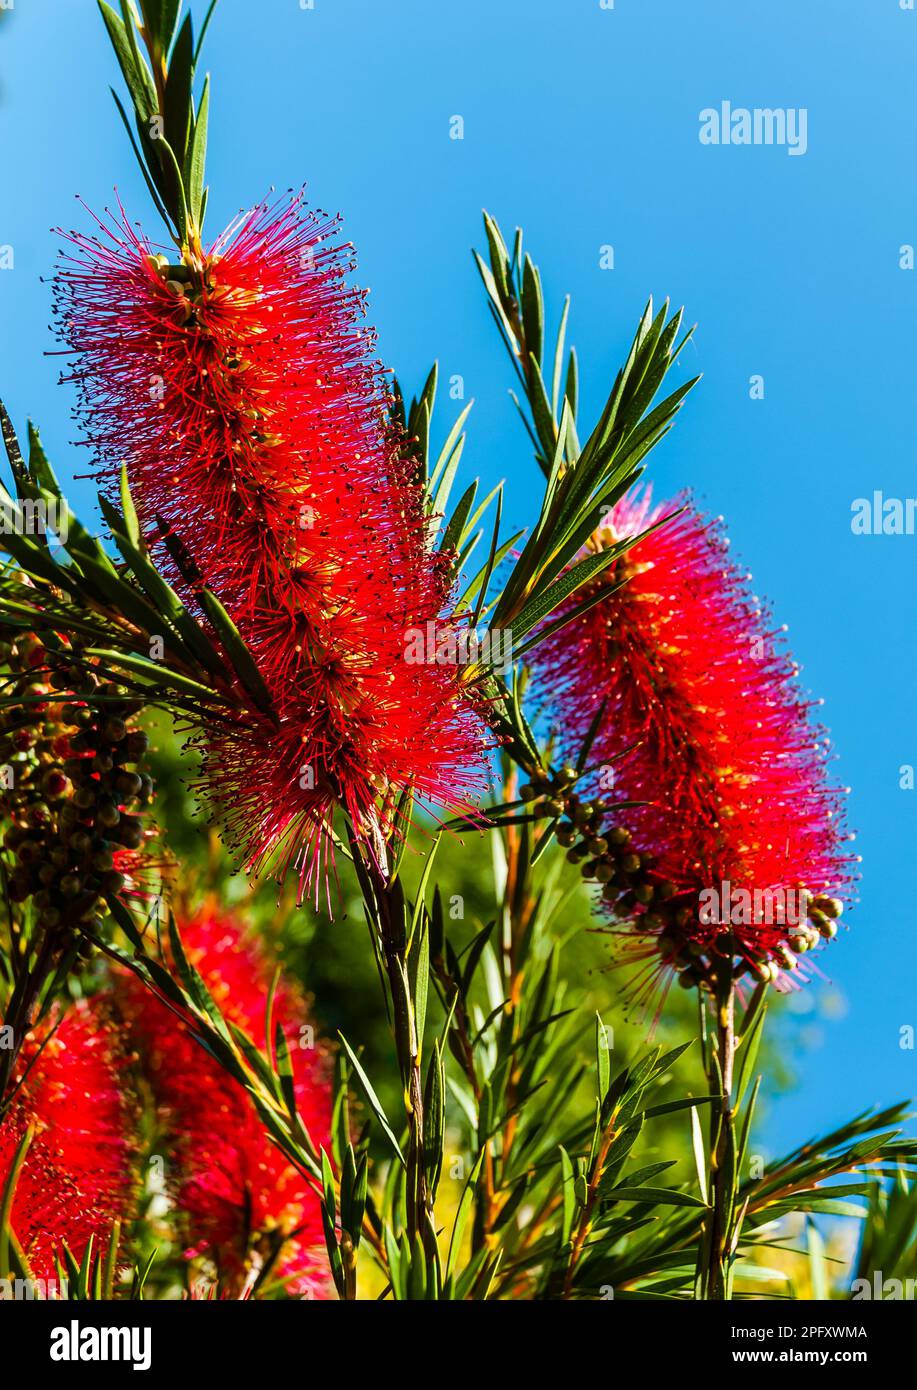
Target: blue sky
{"points": [[582, 124]]}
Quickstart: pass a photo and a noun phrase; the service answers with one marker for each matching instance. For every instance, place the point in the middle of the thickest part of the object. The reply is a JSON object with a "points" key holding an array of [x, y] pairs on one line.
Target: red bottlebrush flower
{"points": [[239, 390], [703, 723], [235, 1192], [78, 1176]]}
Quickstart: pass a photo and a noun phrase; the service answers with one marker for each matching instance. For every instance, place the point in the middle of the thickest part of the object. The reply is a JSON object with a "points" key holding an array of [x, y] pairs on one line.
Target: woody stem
{"points": [[715, 1282], [393, 944], [18, 1016]]}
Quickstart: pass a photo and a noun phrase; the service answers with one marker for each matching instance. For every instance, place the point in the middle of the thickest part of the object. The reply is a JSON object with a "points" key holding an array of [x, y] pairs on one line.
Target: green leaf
{"points": [[372, 1099], [204, 27], [670, 1105], [663, 1196], [541, 409], [818, 1272], [7, 1235], [571, 388], [700, 1157], [748, 1054], [474, 952], [285, 1071], [544, 602], [449, 446], [24, 483], [110, 1266], [134, 71], [434, 1118], [421, 983], [461, 1215], [355, 1205], [440, 500], [242, 660], [165, 602], [328, 1228], [491, 562], [197, 154], [559, 358], [483, 575], [499, 257], [151, 671], [568, 1199], [159, 19], [746, 1125], [603, 1057], [144, 168], [532, 311], [86, 1267], [328, 1184], [452, 536], [177, 115], [129, 512]]}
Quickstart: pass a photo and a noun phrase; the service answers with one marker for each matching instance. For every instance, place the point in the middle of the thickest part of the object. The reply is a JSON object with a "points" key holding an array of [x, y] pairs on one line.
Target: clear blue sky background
{"points": [[582, 124]]}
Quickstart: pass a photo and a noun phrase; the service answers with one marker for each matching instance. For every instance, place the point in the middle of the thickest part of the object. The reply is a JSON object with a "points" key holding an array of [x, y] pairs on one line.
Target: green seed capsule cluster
{"points": [[632, 886], [71, 810], [694, 961], [605, 854], [821, 924]]}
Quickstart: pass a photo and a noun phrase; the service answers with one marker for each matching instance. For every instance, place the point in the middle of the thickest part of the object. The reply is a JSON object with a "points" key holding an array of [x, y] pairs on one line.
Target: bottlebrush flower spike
{"points": [[239, 389], [235, 1192], [78, 1176], [740, 843]]}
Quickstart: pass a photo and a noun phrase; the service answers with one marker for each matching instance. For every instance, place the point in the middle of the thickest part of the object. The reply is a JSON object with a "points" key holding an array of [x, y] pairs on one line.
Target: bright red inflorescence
{"points": [[79, 1171], [240, 391], [235, 1193], [705, 725]]}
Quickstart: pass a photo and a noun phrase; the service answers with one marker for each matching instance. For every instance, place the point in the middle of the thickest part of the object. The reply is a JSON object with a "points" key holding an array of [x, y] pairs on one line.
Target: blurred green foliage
{"points": [[329, 953]]}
